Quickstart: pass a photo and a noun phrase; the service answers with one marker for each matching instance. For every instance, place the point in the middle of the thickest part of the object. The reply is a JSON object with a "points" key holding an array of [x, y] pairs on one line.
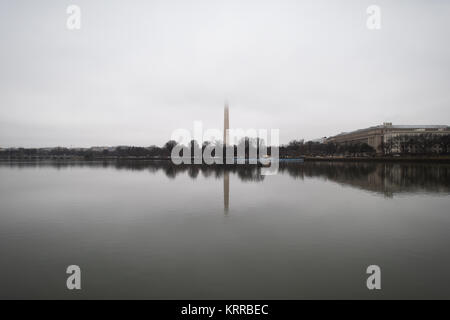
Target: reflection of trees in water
{"points": [[329, 170], [244, 172], [419, 176], [386, 178]]}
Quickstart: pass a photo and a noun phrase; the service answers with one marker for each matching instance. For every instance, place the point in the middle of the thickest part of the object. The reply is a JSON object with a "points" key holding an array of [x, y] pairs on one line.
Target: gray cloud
{"points": [[137, 70]]}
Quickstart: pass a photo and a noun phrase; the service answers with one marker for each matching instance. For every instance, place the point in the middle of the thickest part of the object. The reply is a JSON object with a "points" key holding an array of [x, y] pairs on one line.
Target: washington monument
{"points": [[226, 176], [226, 126]]}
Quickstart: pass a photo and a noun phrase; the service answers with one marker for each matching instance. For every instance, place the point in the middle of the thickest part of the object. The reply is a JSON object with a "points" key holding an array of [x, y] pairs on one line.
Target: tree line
{"points": [[250, 147], [312, 148], [404, 144]]}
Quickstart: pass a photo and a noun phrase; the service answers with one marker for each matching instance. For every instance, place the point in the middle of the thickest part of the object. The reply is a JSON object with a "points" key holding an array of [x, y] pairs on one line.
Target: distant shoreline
{"points": [[430, 159]]}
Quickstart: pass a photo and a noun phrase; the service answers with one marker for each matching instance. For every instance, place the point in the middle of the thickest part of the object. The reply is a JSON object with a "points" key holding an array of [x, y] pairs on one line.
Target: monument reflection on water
{"points": [[154, 230], [226, 191]]}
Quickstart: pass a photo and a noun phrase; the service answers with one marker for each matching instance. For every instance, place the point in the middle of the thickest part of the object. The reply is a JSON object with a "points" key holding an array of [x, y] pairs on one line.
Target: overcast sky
{"points": [[138, 70]]}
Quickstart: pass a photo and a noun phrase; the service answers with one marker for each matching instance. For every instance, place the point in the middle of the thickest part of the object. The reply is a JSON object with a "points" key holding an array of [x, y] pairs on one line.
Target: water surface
{"points": [[151, 230]]}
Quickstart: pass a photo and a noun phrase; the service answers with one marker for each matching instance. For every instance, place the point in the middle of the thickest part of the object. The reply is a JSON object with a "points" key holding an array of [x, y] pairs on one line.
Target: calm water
{"points": [[153, 230]]}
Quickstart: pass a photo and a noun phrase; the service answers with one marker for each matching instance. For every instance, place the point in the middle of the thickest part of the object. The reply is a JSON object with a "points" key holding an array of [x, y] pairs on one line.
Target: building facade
{"points": [[378, 137]]}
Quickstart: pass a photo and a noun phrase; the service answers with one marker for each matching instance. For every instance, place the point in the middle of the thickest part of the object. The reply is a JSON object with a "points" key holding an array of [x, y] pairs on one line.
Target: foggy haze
{"points": [[138, 70]]}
